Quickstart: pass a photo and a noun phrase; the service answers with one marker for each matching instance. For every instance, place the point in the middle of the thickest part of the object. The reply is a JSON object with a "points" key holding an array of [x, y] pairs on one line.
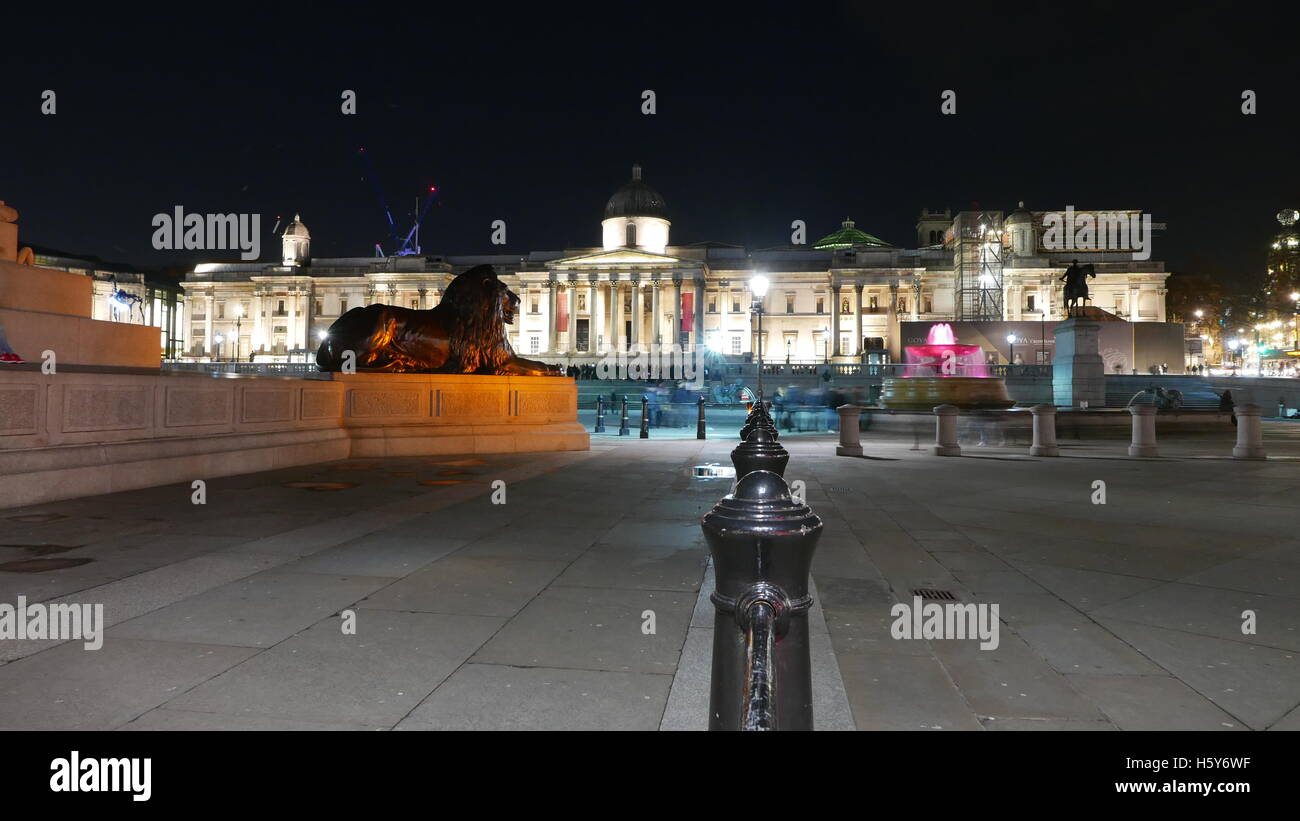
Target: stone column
{"points": [[207, 322], [424, 293], [856, 347], [699, 313], [945, 431], [891, 324], [1250, 434], [636, 313], [1044, 431], [259, 323], [620, 334], [571, 302], [592, 347], [551, 287], [916, 300], [835, 319], [656, 321], [1144, 431], [677, 309]]}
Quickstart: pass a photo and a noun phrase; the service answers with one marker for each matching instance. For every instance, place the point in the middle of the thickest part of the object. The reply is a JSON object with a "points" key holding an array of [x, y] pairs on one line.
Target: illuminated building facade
{"points": [[841, 298]]}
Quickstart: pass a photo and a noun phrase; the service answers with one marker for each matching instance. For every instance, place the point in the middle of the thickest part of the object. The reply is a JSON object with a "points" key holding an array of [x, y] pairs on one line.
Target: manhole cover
{"points": [[36, 518], [321, 485], [41, 565]]}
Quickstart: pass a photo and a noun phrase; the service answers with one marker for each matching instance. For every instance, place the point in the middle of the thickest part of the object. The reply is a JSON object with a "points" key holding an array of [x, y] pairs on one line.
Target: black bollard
{"points": [[600, 415], [758, 417], [762, 544], [645, 418], [622, 423], [759, 452], [699, 420]]}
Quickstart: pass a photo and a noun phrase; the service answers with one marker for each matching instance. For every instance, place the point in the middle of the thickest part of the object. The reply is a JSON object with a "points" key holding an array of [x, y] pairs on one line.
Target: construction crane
{"points": [[408, 245]]}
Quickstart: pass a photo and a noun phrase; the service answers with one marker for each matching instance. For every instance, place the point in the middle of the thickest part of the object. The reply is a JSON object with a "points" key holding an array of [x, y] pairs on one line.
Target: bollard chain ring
{"points": [[770, 594]]}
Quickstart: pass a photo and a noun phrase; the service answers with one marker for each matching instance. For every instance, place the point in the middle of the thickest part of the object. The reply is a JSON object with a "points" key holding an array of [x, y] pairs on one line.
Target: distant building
{"points": [[842, 298]]}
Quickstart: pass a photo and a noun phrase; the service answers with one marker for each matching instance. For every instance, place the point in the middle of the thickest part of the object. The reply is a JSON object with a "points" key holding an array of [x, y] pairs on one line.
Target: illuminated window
{"points": [[821, 305]]}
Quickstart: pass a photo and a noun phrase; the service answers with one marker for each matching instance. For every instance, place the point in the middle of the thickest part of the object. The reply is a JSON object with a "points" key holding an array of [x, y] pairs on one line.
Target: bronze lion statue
{"points": [[464, 333]]}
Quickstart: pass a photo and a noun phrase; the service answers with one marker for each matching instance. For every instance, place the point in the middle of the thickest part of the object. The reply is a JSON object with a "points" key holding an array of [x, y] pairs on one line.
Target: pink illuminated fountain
{"points": [[944, 371], [943, 355]]}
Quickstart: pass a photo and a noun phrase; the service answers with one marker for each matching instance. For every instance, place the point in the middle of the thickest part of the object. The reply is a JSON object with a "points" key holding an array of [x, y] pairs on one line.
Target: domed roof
{"points": [[1021, 214], [636, 199], [847, 237], [296, 228]]}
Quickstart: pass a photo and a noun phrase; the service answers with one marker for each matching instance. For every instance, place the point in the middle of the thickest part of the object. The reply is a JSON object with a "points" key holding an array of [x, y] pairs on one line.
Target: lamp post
{"points": [[758, 285], [217, 340], [1011, 351], [239, 321]]}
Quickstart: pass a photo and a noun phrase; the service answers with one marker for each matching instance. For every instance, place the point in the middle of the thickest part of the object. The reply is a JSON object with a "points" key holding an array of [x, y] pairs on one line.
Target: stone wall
{"points": [[74, 434]]}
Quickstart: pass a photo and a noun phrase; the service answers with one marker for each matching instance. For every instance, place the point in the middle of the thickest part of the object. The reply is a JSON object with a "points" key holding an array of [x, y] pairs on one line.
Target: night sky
{"points": [[766, 114]]}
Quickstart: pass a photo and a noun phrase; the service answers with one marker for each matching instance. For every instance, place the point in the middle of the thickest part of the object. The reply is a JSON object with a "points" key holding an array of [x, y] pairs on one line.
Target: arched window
{"points": [[631, 235]]}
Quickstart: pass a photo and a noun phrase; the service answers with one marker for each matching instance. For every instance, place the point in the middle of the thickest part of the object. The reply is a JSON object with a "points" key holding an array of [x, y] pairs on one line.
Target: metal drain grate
{"points": [[931, 594]]}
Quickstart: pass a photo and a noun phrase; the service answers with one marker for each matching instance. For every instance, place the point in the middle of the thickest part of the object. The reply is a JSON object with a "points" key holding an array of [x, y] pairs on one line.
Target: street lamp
{"points": [[239, 320], [217, 340], [758, 285], [1011, 350]]}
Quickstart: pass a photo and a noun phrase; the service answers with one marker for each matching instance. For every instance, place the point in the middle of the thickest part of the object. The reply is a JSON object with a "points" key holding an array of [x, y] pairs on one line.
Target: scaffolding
{"points": [[977, 258]]}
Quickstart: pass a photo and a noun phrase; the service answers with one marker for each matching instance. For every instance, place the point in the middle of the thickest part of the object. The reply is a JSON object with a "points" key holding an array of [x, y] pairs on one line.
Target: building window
{"points": [[320, 307], [532, 305], [631, 235], [821, 304], [533, 344], [343, 305], [713, 303], [789, 303], [927, 305], [735, 304], [279, 311], [735, 344], [874, 305], [1029, 302], [221, 310], [415, 304]]}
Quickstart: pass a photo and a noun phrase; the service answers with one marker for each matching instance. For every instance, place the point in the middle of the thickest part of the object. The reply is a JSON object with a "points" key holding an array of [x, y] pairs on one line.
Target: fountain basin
{"points": [[926, 392]]}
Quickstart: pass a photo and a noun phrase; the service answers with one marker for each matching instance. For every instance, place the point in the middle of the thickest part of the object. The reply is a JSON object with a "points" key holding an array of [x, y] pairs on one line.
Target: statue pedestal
{"points": [[1078, 372]]}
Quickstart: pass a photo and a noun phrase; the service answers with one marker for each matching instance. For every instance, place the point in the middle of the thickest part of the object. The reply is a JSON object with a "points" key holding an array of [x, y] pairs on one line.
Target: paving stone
{"points": [[373, 678], [478, 587], [1153, 703], [70, 688], [592, 629], [258, 611], [490, 697]]}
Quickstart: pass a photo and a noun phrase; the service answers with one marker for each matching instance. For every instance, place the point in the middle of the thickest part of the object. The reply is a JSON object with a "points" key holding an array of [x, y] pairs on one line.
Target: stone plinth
{"points": [[43, 310], [419, 414], [71, 433], [1078, 372]]}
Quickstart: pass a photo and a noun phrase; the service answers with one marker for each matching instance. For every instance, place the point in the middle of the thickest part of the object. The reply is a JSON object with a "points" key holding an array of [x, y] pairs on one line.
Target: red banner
{"points": [[688, 313], [562, 312]]}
